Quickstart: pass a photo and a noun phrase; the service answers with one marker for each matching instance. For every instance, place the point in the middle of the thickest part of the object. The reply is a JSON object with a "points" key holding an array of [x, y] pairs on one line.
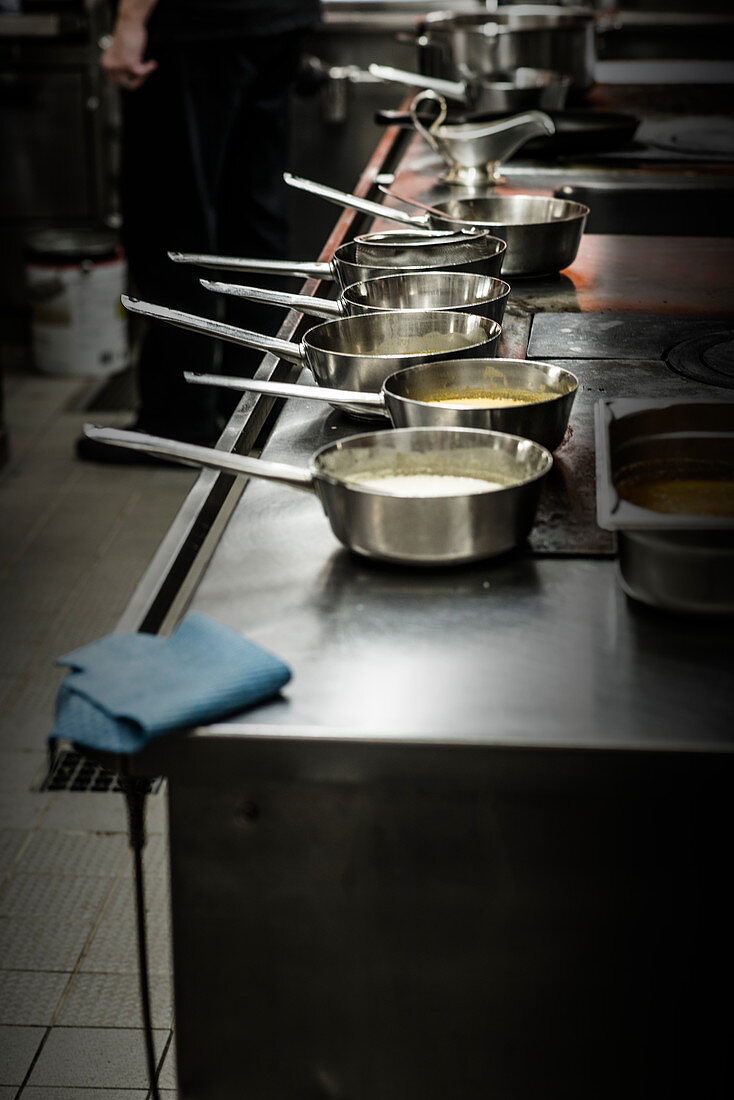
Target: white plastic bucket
{"points": [[74, 280]]}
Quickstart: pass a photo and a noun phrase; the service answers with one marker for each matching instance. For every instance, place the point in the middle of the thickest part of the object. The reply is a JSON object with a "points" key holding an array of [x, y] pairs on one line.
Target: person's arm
{"points": [[122, 61]]}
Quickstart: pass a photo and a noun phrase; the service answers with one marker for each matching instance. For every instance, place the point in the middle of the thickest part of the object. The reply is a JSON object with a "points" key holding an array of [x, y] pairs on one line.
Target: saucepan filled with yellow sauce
{"points": [[524, 398], [665, 484], [416, 496]]}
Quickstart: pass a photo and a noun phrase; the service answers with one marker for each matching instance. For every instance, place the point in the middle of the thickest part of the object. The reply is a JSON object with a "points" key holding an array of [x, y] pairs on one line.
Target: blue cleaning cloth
{"points": [[128, 689]]}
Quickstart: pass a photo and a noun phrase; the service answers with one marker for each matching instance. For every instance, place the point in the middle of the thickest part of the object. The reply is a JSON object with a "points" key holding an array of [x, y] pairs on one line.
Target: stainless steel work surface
{"points": [[537, 648], [474, 848], [530, 649], [614, 335]]}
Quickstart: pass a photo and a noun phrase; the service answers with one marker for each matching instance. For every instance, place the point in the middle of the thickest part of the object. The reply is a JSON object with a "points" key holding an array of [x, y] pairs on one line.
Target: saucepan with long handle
{"points": [[373, 254], [542, 233], [518, 396], [522, 89], [415, 496], [463, 291], [354, 353]]}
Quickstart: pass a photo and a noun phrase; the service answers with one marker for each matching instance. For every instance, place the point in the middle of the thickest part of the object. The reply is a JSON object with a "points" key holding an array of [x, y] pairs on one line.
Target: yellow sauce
{"points": [[432, 343], [492, 399], [696, 496]]}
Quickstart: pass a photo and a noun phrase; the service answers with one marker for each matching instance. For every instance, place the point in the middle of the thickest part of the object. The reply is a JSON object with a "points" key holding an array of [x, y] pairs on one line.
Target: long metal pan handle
{"points": [[365, 206], [203, 456], [319, 269], [289, 389], [318, 307], [421, 205], [454, 89], [282, 348]]}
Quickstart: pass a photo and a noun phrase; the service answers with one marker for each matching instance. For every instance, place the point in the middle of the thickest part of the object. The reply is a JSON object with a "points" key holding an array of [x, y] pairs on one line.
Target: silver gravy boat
{"points": [[474, 151]]}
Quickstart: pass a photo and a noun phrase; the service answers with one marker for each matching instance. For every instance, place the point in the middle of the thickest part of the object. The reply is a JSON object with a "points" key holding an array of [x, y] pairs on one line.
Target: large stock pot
{"points": [[461, 45]]}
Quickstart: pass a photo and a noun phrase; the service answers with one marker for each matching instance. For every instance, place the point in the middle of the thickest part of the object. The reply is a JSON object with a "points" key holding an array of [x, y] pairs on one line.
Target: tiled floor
{"points": [[74, 540]]}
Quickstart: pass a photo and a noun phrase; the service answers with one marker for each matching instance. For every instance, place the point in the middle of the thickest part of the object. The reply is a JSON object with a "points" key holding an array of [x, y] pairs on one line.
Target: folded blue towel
{"points": [[128, 689]]}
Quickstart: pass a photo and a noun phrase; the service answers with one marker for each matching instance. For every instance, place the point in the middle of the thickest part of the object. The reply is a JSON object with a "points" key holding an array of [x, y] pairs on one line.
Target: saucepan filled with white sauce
{"points": [[415, 496], [518, 396]]}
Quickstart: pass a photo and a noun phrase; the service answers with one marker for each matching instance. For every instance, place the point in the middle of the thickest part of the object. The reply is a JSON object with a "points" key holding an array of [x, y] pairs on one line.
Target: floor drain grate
{"points": [[72, 772]]}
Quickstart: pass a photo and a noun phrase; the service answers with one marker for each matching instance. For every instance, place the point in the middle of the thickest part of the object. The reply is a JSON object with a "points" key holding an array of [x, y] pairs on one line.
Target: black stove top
{"points": [[634, 336], [708, 358]]}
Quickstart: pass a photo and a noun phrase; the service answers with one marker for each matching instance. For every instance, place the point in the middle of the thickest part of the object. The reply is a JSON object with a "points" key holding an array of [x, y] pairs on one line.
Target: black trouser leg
{"points": [[204, 146]]}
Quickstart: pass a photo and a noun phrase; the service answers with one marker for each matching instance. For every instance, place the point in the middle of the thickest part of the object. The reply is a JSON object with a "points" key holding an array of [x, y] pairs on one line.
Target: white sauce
{"points": [[480, 402], [423, 485]]}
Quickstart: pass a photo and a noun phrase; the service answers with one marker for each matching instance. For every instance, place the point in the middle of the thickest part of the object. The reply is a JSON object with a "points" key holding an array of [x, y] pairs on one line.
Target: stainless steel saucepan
{"points": [[542, 233], [415, 496], [462, 291], [524, 398], [354, 353], [454, 44], [376, 254], [521, 89]]}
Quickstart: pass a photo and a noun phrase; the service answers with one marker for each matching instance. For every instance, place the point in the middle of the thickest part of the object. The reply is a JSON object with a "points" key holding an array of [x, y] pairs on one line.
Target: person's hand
{"points": [[122, 61]]}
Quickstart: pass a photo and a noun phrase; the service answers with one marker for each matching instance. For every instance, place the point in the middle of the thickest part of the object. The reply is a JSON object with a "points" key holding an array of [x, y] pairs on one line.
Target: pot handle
{"points": [[427, 131], [289, 389], [319, 269], [454, 89], [317, 307], [407, 39], [283, 349], [209, 457], [365, 206]]}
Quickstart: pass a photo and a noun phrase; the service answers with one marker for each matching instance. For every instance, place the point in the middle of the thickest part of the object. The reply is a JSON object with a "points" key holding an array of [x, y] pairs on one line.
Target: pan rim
{"points": [[422, 237], [493, 335], [502, 287], [346, 254], [339, 482], [581, 211], [572, 391]]}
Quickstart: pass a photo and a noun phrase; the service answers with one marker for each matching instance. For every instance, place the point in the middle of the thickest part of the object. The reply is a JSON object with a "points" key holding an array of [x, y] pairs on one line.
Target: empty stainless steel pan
{"points": [[542, 233], [377, 254], [355, 353], [416, 496], [462, 291], [456, 393]]}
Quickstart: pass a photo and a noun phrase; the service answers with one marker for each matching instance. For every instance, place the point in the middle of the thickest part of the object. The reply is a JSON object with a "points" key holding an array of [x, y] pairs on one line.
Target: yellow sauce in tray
{"points": [[679, 494], [493, 399]]}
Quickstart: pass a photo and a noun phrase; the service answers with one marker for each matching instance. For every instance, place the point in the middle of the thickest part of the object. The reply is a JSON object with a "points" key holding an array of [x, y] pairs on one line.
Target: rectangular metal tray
{"points": [[678, 562]]}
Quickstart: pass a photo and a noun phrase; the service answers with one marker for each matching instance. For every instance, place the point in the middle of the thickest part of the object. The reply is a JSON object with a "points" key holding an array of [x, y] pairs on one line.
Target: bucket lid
{"points": [[71, 245]]}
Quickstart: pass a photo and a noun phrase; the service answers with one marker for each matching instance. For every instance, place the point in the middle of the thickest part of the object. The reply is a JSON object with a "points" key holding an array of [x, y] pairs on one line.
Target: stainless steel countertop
{"points": [[526, 650], [532, 650]]}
